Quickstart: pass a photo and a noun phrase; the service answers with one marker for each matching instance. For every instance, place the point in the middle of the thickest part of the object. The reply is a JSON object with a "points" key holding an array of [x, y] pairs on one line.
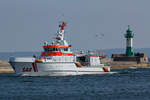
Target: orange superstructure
{"points": [[59, 47]]}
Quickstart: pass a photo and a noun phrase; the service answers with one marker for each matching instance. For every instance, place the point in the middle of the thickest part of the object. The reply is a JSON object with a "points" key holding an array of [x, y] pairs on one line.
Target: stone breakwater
{"points": [[124, 64], [5, 67]]}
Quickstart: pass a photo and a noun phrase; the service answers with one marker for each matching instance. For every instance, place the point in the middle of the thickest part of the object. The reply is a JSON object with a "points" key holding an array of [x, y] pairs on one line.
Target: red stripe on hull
{"points": [[34, 67]]}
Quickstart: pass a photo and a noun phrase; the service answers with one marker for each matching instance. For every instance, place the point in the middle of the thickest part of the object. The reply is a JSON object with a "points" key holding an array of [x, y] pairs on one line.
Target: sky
{"points": [[91, 24]]}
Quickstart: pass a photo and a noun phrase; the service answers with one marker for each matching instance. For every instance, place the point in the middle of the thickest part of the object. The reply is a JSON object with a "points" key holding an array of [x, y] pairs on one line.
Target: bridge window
{"points": [[50, 49], [54, 49], [65, 49]]}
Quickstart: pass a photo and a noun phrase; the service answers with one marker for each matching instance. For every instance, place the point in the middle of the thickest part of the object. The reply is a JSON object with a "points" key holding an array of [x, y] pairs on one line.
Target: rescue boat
{"points": [[57, 59]]}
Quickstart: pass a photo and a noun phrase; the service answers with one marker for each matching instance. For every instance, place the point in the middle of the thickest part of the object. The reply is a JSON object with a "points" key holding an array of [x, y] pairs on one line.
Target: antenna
{"points": [[61, 18]]}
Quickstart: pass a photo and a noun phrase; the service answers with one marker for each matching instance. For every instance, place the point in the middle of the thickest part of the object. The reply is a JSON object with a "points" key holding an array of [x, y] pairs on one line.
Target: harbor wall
{"points": [[124, 64], [139, 58], [5, 67]]}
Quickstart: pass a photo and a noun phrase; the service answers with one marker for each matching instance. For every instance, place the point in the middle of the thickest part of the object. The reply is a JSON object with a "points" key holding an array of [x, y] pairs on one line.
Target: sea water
{"points": [[126, 84]]}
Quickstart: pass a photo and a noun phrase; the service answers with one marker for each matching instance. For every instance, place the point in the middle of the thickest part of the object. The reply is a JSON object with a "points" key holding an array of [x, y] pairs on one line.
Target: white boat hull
{"points": [[28, 67], [54, 69]]}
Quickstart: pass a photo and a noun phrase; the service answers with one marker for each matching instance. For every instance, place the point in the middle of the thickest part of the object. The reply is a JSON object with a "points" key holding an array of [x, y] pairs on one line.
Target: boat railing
{"points": [[90, 52]]}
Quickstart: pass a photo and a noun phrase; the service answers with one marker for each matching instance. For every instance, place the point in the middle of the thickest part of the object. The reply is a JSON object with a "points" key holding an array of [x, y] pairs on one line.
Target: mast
{"points": [[60, 33]]}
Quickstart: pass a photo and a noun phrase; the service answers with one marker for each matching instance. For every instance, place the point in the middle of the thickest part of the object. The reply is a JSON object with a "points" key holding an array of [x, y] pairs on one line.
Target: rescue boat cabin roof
{"points": [[56, 46]]}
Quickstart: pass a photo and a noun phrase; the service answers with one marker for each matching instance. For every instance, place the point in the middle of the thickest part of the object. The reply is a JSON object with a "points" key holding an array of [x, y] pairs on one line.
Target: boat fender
{"points": [[78, 64], [105, 68], [39, 60]]}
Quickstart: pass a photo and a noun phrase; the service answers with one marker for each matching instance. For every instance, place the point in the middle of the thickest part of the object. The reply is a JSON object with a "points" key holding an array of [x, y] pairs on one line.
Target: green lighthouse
{"points": [[129, 42]]}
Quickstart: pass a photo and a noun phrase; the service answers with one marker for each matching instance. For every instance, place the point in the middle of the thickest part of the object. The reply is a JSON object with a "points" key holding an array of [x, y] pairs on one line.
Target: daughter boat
{"points": [[58, 60]]}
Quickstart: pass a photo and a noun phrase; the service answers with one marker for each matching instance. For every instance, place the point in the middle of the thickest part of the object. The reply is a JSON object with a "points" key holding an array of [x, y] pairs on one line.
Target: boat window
{"points": [[53, 49], [48, 49], [65, 49], [61, 49], [45, 49], [56, 49]]}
